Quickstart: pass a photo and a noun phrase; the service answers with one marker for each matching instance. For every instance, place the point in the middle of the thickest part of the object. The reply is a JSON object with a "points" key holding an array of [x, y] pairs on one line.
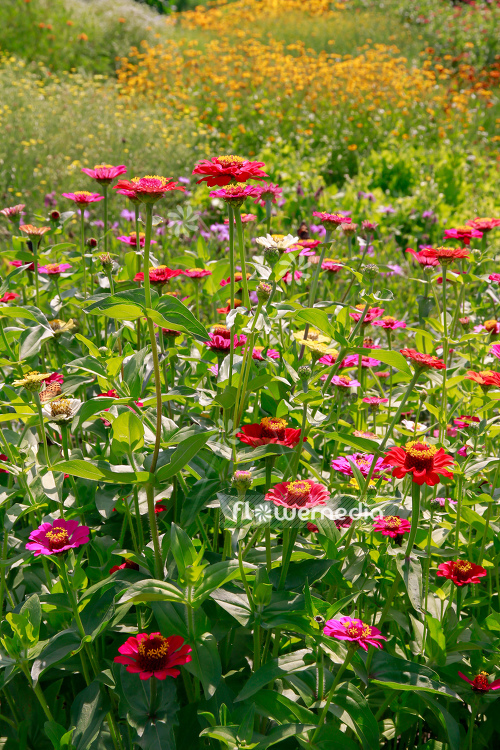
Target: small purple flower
{"points": [[128, 215], [318, 229], [50, 200], [386, 210], [184, 180]]}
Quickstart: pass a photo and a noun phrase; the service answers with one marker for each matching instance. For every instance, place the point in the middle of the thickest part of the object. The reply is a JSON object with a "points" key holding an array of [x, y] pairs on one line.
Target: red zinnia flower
{"points": [[152, 655], [461, 572], [127, 565], [355, 631], [57, 537], [423, 259], [483, 225], [9, 297], [423, 360], [12, 211], [105, 173], [148, 189], [446, 255], [159, 275], [225, 310], [197, 273], [55, 377], [331, 221], [464, 234], [392, 526], [221, 170], [298, 494], [426, 463], [270, 430], [480, 683], [486, 378], [83, 197], [465, 420], [237, 277]]}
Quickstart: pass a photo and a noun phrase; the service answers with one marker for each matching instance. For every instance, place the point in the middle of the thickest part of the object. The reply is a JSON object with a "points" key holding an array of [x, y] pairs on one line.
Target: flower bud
{"points": [[55, 215], [304, 372], [465, 322], [106, 262], [242, 480], [370, 271], [264, 291], [349, 229], [272, 255], [476, 254], [423, 395], [92, 242]]}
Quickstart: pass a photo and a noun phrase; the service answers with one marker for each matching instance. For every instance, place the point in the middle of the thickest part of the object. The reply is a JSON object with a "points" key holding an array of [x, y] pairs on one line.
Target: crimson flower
{"points": [[298, 494], [57, 537], [237, 277], [221, 170], [234, 194], [159, 508], [375, 400], [104, 174], [3, 457], [270, 430], [9, 297], [445, 255], [483, 225], [464, 234], [461, 572], [392, 526], [197, 273], [423, 361], [426, 463], [331, 221], [55, 377], [480, 683], [159, 275], [127, 565], [465, 421], [486, 378], [152, 655], [148, 189], [83, 197], [355, 631], [12, 211], [422, 258]]}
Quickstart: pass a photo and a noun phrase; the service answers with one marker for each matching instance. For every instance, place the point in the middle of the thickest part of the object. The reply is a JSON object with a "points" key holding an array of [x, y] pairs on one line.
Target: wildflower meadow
{"points": [[249, 375]]}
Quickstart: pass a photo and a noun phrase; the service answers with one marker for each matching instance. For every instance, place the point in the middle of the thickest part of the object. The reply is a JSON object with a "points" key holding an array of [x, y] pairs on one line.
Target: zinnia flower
{"points": [[355, 631], [159, 275], [237, 277], [465, 421], [331, 221], [364, 463], [480, 683], [389, 323], [152, 655], [132, 239], [461, 572], [220, 339], [127, 565], [344, 381], [423, 361], [464, 234], [245, 219], [375, 401], [54, 269], [445, 255], [9, 297], [486, 378], [83, 197], [12, 212], [483, 225], [312, 335], [330, 265], [149, 189], [298, 494], [236, 194], [62, 410], [353, 360], [371, 313], [280, 241], [495, 277], [104, 174], [197, 273], [257, 353], [271, 430], [287, 278], [426, 463], [34, 233], [268, 192], [57, 537], [221, 170], [422, 258], [392, 526]]}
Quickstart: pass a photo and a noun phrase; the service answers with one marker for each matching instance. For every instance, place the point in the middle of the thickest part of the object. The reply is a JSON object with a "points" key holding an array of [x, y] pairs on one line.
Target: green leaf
{"points": [[362, 721], [318, 319], [215, 576], [411, 573], [362, 444], [128, 431], [65, 643], [206, 665], [31, 340], [87, 715], [448, 722], [127, 305], [399, 674], [391, 358], [182, 548], [280, 667], [101, 471], [435, 644], [151, 591], [33, 610], [172, 313], [278, 734], [89, 409], [183, 454]]}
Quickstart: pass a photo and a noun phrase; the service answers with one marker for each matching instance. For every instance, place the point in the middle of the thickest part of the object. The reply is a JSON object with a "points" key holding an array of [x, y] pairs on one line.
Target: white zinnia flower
{"points": [[62, 410], [277, 240]]}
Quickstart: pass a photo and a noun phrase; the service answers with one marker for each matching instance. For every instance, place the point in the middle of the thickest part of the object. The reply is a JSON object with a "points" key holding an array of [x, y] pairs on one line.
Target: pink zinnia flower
{"points": [[298, 494], [245, 219], [484, 225], [392, 526], [268, 192], [83, 197], [495, 350], [464, 234], [331, 221], [220, 340], [375, 400], [258, 353], [57, 537], [355, 631], [371, 314], [54, 269], [331, 266], [462, 451], [465, 420], [495, 277], [344, 381], [12, 212], [197, 273], [9, 297], [480, 683], [132, 240], [352, 360], [221, 170], [152, 655], [287, 278], [363, 461], [389, 323], [104, 173], [234, 194]]}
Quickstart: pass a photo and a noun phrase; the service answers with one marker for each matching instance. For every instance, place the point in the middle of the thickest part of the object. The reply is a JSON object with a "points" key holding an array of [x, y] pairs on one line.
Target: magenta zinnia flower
{"points": [[480, 683], [389, 323], [9, 297], [392, 526], [331, 221], [298, 494], [57, 537], [355, 631], [105, 173], [267, 192], [352, 360], [363, 461], [83, 197], [152, 655], [344, 381], [234, 194], [197, 273], [54, 269], [131, 239]]}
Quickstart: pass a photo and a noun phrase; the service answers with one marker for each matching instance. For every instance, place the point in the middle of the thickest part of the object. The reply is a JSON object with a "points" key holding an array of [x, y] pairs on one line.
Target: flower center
{"points": [[490, 325], [52, 266], [388, 319], [462, 567], [313, 335], [221, 331], [392, 522], [58, 538], [357, 631], [103, 166], [61, 407], [277, 237], [463, 230], [420, 455], [82, 192], [235, 189], [273, 427], [299, 491], [152, 654], [230, 160], [345, 380], [481, 682]]}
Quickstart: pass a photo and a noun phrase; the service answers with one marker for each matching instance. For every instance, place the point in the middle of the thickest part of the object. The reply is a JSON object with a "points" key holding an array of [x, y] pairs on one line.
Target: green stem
{"points": [[82, 251], [43, 435], [459, 512], [415, 516], [289, 538], [230, 214], [105, 191], [331, 692], [34, 244], [241, 243], [38, 692]]}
